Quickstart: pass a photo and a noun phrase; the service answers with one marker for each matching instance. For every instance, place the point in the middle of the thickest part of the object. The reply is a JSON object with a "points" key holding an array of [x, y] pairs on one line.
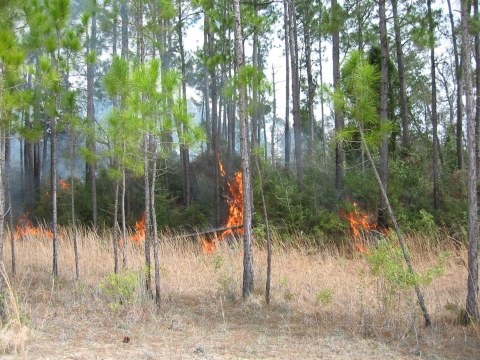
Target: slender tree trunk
{"points": [[245, 154], [2, 211], [124, 218], [383, 190], [8, 179], [458, 72], [156, 259], [401, 78], [339, 153], [146, 168], [206, 77], [297, 130], [477, 87], [382, 212], [310, 85], [72, 206], [287, 84], [471, 314], [436, 171], [91, 167], [274, 118], [53, 184], [115, 229], [184, 148]]}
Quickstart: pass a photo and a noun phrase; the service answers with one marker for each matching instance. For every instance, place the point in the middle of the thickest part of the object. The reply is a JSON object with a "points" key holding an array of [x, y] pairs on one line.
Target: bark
{"points": [[2, 210], [436, 165], [477, 87], [206, 94], [91, 167], [124, 15], [287, 84], [245, 155], [274, 118], [255, 104], [53, 189], [339, 153], [124, 219], [8, 171], [115, 229], [401, 78], [215, 135], [297, 131], [382, 212], [72, 206], [156, 259], [310, 86], [184, 148], [458, 72], [471, 313], [146, 168]]}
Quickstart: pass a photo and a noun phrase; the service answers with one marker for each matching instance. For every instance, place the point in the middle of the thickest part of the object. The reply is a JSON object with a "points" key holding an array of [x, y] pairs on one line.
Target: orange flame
{"points": [[359, 222], [235, 210], [209, 247], [139, 235], [62, 184], [25, 228]]}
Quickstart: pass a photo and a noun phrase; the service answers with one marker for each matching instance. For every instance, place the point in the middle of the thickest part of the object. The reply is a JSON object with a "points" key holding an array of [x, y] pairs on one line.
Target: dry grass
{"points": [[203, 316]]}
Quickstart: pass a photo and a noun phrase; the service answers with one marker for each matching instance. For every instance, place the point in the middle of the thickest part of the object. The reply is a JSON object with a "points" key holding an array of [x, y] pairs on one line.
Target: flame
{"points": [[139, 235], [24, 227], [358, 223], [209, 247], [235, 210], [62, 184]]}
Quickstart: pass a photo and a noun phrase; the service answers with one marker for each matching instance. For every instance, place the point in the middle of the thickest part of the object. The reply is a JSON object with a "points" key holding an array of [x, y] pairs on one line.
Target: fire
{"points": [[62, 184], [209, 247], [235, 210], [25, 228], [139, 235], [359, 223]]}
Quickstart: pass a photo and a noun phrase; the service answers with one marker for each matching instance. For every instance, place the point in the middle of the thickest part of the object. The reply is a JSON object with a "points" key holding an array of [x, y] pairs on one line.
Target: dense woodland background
{"points": [[107, 113]]}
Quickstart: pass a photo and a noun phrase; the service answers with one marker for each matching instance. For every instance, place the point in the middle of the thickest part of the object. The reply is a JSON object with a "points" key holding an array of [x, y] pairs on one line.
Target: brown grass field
{"points": [[203, 316]]}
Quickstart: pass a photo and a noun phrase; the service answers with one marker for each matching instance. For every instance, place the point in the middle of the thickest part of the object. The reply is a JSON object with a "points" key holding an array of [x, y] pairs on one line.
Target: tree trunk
{"points": [[458, 73], [383, 190], [184, 148], [401, 78], [245, 155], [287, 84], [310, 86], [382, 212], [436, 170], [146, 168], [156, 259], [339, 153], [91, 167], [72, 206], [2, 211], [471, 313], [53, 185], [115, 229], [297, 130], [477, 87]]}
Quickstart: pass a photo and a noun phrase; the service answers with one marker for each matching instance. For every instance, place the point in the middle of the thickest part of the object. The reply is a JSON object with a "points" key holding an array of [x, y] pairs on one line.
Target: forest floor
{"points": [[323, 306]]}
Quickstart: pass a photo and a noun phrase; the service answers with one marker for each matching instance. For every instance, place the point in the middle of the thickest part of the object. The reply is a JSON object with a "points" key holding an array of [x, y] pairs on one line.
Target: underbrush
{"points": [[316, 290]]}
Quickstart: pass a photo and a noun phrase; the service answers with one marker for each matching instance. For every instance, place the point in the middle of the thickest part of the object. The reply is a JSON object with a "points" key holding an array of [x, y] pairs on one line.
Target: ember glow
{"points": [[25, 228]]}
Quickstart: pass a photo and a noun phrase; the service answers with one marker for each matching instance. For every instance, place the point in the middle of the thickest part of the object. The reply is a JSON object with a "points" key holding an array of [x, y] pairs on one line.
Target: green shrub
{"points": [[120, 288]]}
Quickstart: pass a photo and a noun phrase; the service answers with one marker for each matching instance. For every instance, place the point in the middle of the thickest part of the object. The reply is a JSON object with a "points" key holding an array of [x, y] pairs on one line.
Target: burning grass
{"points": [[325, 304]]}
